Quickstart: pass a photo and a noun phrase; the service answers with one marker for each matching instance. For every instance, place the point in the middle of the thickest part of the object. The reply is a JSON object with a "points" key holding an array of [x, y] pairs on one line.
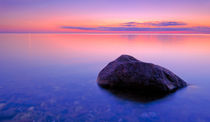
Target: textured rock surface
{"points": [[128, 73]]}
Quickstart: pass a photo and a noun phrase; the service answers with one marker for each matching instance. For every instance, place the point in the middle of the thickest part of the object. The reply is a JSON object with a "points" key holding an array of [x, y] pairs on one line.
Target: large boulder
{"points": [[128, 73]]}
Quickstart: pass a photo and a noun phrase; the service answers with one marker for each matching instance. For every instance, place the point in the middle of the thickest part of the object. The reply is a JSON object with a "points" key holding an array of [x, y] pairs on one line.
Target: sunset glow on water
{"points": [[46, 77]]}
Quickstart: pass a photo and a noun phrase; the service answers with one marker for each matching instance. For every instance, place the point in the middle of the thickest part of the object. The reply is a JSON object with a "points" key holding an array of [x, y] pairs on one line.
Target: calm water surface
{"points": [[52, 77]]}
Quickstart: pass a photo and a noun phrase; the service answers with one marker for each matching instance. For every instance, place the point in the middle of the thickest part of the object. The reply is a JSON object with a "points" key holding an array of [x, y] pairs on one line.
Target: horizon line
{"points": [[104, 33]]}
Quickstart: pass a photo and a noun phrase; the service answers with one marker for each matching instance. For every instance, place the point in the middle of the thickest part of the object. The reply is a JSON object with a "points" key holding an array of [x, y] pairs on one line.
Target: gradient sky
{"points": [[104, 15]]}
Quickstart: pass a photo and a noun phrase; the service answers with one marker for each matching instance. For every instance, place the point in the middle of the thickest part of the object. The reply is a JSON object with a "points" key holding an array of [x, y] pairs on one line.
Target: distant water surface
{"points": [[52, 77]]}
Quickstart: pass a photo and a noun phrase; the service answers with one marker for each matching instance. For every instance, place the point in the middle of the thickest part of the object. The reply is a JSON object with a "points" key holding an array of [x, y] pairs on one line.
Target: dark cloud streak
{"points": [[135, 29], [168, 24], [163, 23], [126, 28]]}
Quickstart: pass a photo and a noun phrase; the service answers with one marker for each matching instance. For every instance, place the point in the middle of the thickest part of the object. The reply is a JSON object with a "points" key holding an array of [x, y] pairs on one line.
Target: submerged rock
{"points": [[129, 74]]}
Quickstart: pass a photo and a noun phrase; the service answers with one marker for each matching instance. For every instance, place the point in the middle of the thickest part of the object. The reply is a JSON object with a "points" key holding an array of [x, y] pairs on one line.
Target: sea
{"points": [[51, 77]]}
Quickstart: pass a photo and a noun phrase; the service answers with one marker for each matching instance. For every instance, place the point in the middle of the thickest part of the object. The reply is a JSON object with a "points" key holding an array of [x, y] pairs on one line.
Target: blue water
{"points": [[52, 77]]}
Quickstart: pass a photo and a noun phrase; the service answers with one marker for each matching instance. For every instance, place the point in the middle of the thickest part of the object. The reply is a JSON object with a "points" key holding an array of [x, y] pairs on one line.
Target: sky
{"points": [[136, 16]]}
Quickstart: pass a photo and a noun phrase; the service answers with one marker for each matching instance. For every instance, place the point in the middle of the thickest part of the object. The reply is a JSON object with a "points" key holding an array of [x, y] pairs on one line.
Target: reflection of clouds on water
{"points": [[161, 38], [169, 38], [29, 40], [129, 37]]}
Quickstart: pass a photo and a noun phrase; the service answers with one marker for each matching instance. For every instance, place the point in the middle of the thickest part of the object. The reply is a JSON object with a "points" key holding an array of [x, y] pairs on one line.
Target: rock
{"points": [[148, 115], [2, 105], [31, 108], [128, 73], [8, 114]]}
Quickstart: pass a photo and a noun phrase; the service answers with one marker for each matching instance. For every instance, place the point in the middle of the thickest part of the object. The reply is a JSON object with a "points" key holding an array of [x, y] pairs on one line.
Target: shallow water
{"points": [[52, 77]]}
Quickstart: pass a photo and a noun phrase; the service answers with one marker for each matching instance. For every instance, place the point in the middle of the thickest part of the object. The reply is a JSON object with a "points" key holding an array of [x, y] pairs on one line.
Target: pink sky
{"points": [[189, 16]]}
